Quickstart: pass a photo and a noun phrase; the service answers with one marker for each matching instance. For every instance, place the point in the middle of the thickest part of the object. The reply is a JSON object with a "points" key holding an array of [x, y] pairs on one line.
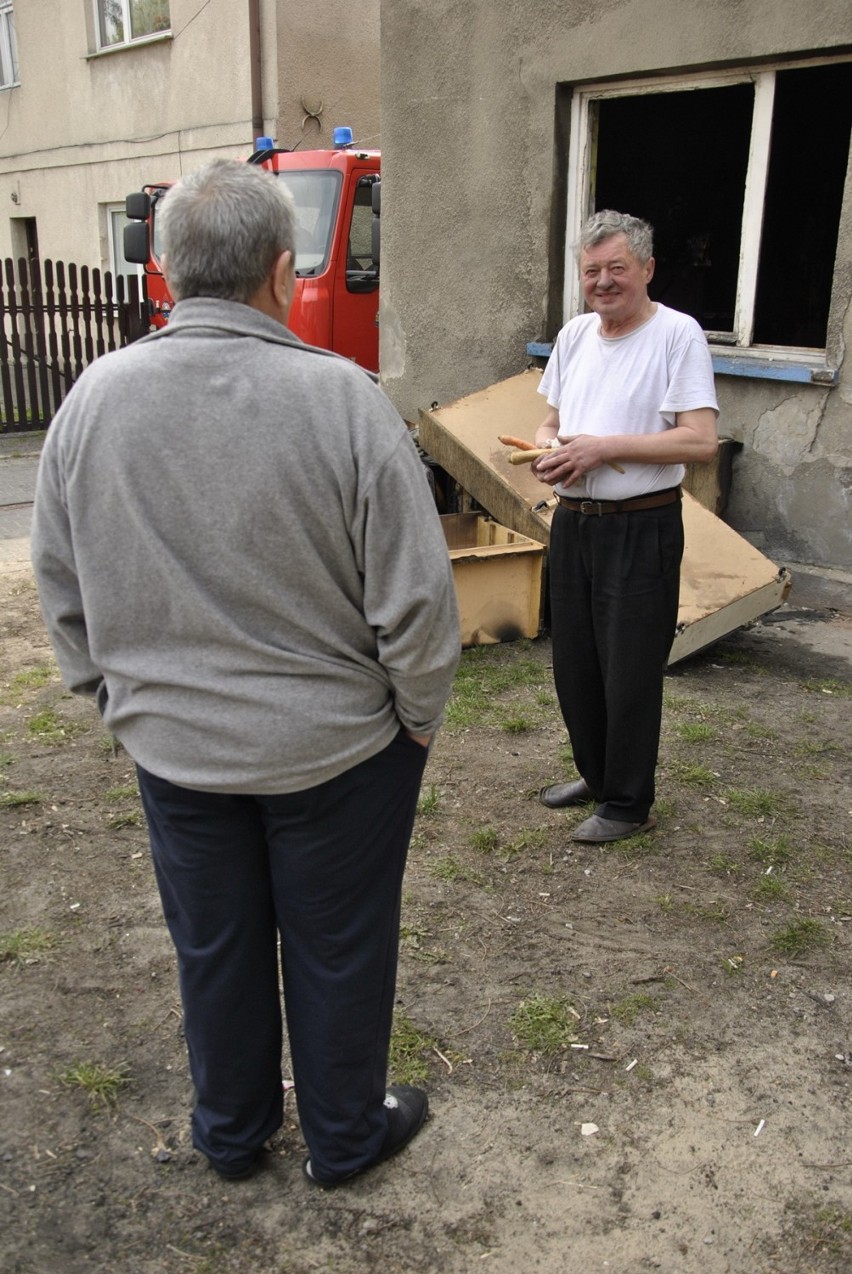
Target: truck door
{"points": [[356, 301]]}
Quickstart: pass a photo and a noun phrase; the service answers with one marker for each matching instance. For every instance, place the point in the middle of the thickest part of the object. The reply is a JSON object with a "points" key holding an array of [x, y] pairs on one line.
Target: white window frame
{"points": [[581, 157], [8, 46], [115, 242], [125, 18]]}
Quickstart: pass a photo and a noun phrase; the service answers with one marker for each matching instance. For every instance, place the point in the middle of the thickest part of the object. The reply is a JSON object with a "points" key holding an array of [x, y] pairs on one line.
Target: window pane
{"points": [[118, 264], [315, 196], [148, 17], [804, 193], [111, 22], [8, 47], [360, 249], [679, 160]]}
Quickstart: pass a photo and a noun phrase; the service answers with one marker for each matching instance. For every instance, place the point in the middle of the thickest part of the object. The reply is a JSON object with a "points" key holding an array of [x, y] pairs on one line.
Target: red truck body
{"points": [[336, 302]]}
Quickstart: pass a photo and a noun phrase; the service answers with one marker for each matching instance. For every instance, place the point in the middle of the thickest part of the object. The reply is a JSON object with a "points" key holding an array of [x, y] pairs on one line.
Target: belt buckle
{"points": [[590, 506]]}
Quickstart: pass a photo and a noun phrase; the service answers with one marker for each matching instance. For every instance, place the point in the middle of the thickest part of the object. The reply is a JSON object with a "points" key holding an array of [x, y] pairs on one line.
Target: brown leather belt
{"points": [[598, 507]]}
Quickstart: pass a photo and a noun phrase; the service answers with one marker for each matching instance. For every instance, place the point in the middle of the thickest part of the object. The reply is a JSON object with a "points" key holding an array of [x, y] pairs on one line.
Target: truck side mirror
{"points": [[136, 247], [137, 206], [376, 228]]}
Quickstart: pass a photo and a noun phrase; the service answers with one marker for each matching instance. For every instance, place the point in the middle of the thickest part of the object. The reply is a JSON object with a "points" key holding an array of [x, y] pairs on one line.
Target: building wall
{"points": [[476, 115], [84, 128]]}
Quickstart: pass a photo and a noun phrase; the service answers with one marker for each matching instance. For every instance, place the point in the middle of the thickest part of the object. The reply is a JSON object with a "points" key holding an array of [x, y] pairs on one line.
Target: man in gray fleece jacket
{"points": [[237, 552]]}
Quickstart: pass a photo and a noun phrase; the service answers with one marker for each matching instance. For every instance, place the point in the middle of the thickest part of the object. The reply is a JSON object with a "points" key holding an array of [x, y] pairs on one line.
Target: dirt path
{"points": [[639, 1057]]}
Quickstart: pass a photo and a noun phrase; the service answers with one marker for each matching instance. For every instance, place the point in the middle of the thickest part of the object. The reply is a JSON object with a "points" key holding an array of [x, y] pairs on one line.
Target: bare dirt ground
{"points": [[639, 1057]]}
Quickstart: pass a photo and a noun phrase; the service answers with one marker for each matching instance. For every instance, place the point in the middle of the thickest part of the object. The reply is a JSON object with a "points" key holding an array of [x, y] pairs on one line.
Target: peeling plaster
{"points": [[786, 433], [392, 340]]}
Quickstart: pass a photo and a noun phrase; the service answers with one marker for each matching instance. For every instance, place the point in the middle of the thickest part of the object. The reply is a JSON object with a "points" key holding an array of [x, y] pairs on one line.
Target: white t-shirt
{"points": [[634, 384]]}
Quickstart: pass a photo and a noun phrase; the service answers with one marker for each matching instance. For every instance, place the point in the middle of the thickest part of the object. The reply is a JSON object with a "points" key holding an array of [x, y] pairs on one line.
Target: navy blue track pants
{"points": [[323, 869]]}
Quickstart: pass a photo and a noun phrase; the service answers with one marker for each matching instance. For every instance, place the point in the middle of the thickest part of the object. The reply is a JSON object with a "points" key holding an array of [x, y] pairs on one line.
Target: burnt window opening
{"points": [[680, 159]]}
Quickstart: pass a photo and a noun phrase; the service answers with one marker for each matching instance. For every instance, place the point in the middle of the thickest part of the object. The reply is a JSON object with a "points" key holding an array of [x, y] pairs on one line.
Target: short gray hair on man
{"points": [[223, 227], [603, 225]]}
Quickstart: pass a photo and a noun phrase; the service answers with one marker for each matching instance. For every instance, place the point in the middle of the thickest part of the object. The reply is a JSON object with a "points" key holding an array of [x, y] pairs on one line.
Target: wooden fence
{"points": [[55, 319]]}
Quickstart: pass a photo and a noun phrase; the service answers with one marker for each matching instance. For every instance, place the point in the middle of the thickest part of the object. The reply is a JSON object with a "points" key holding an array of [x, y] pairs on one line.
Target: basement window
{"points": [[741, 176]]}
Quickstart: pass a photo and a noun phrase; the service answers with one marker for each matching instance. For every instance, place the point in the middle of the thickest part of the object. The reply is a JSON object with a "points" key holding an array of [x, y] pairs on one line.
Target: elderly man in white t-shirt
{"points": [[631, 400]]}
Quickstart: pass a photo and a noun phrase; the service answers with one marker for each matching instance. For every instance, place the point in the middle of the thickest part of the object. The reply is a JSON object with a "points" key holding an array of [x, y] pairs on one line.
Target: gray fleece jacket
{"points": [[237, 550]]}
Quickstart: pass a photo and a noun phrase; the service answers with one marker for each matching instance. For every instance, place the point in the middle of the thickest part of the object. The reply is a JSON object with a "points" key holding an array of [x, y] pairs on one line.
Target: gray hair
{"points": [[223, 227], [603, 225]]}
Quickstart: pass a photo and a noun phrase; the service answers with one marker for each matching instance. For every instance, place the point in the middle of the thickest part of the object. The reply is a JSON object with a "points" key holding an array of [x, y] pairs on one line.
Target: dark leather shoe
{"points": [[561, 795], [229, 1173], [407, 1109], [597, 830]]}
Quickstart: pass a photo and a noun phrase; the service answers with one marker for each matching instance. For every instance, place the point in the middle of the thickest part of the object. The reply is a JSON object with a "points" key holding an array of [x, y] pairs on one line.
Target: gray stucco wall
{"points": [[475, 132]]}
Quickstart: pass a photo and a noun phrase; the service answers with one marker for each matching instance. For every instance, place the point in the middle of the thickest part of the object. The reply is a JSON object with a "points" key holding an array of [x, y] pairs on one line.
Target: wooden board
{"points": [[725, 581]]}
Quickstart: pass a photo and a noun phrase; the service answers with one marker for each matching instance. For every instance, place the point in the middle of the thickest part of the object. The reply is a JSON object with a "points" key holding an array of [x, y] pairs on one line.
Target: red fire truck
{"points": [[337, 194]]}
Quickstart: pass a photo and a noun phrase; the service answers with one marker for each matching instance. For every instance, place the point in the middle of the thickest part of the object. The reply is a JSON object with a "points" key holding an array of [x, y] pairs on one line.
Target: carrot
{"points": [[508, 440]]}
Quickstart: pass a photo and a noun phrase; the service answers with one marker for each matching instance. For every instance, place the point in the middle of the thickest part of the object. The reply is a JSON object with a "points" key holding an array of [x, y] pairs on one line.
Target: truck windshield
{"points": [[315, 195]]}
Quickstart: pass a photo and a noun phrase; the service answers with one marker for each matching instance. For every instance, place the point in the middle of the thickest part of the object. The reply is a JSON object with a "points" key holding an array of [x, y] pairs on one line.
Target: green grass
{"points": [[739, 658], [486, 673], [754, 803], [770, 889], [130, 818], [543, 1024], [407, 1062], [757, 731], [693, 775], [798, 938], [829, 686], [830, 1233], [48, 727], [771, 851], [517, 725], [814, 747], [628, 1009], [724, 863], [33, 678], [25, 946], [450, 869], [696, 732], [101, 1084], [484, 840], [9, 800], [714, 910], [413, 941], [125, 792], [429, 801], [529, 838]]}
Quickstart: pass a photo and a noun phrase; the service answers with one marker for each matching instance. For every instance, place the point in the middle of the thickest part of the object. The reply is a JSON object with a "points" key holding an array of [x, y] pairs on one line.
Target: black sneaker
{"points": [[407, 1109]]}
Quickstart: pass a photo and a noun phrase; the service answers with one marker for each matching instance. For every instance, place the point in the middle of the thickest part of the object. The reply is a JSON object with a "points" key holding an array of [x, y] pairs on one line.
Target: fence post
{"points": [[54, 321]]}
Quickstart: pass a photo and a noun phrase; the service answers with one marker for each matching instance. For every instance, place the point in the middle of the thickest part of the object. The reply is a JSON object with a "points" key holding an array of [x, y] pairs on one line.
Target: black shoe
{"points": [[240, 1174], [562, 795], [597, 830], [407, 1109]]}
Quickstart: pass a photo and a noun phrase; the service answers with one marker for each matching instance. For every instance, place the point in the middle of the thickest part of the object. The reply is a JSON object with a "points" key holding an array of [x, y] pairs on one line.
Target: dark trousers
{"points": [[323, 869], [614, 583]]}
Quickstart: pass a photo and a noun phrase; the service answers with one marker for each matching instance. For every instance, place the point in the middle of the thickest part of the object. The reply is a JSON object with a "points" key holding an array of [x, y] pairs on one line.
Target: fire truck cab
{"points": [[337, 194]]}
